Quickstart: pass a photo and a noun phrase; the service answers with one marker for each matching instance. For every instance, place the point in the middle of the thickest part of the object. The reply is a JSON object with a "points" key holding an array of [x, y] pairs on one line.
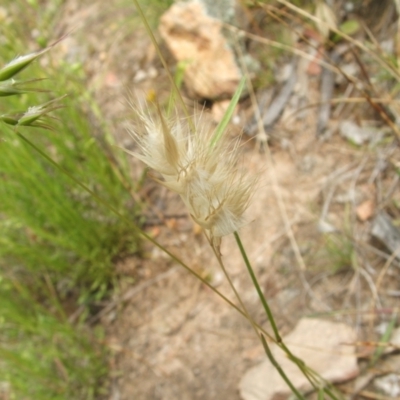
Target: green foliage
{"points": [[349, 27], [48, 223], [51, 231], [268, 55], [154, 9], [221, 127], [340, 251], [57, 244], [42, 356]]}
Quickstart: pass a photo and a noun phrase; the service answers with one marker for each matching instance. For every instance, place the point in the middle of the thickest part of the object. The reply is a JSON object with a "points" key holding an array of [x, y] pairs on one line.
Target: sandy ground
{"points": [[172, 337]]}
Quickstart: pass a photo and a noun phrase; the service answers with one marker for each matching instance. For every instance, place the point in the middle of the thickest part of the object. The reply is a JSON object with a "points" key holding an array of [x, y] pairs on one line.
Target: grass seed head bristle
{"points": [[326, 17], [206, 176]]}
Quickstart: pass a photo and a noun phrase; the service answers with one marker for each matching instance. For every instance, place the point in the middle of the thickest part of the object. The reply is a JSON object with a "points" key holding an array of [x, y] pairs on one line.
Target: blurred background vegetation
{"points": [[57, 244]]}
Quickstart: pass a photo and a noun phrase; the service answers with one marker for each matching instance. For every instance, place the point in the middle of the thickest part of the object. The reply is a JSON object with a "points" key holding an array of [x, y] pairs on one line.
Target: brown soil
{"points": [[170, 336]]}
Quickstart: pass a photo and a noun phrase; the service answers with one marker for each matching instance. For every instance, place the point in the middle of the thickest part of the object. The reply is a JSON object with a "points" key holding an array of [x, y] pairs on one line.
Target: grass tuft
{"points": [[57, 244]]}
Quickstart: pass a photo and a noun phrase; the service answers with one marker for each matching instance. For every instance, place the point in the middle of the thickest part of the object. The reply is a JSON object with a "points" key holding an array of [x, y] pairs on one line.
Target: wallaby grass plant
{"points": [[37, 200], [57, 245], [188, 166], [184, 156], [210, 186], [43, 355], [173, 179]]}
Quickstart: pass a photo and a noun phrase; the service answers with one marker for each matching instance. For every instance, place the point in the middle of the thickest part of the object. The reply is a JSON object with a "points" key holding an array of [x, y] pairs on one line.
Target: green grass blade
{"points": [[279, 369], [384, 339], [220, 129]]}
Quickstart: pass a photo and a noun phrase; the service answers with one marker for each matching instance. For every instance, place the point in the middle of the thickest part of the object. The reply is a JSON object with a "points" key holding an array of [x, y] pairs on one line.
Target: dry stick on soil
{"points": [[357, 43], [386, 118], [184, 163], [328, 66], [349, 100], [381, 111], [373, 102], [384, 270], [329, 71], [375, 105], [327, 75], [310, 375], [276, 188], [142, 233]]}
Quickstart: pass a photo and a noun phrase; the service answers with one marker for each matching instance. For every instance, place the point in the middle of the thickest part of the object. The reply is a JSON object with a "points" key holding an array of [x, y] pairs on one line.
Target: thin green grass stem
{"points": [[221, 127], [257, 286], [171, 78], [255, 326], [178, 79], [300, 364], [54, 297], [279, 368], [243, 312], [316, 386], [138, 230], [384, 340], [329, 392], [244, 309]]}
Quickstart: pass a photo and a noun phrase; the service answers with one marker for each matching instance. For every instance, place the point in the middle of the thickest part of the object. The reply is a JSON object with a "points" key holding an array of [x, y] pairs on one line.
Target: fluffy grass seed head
{"points": [[215, 191]]}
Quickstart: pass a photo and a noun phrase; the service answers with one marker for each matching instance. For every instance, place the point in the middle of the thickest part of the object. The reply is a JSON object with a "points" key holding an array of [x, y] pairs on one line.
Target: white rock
{"points": [[356, 134], [193, 36], [140, 76], [326, 347], [389, 384], [325, 227]]}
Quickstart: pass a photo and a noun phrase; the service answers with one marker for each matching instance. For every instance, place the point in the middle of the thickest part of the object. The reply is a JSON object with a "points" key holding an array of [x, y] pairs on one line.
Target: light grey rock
{"points": [[389, 384], [326, 347], [224, 10], [384, 230], [360, 135]]}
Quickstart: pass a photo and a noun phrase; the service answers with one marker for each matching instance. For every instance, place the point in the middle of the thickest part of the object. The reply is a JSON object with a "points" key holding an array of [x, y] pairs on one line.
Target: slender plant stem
{"points": [[137, 229], [243, 312], [300, 363], [279, 368], [170, 77], [257, 286], [253, 324], [221, 264], [330, 393]]}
